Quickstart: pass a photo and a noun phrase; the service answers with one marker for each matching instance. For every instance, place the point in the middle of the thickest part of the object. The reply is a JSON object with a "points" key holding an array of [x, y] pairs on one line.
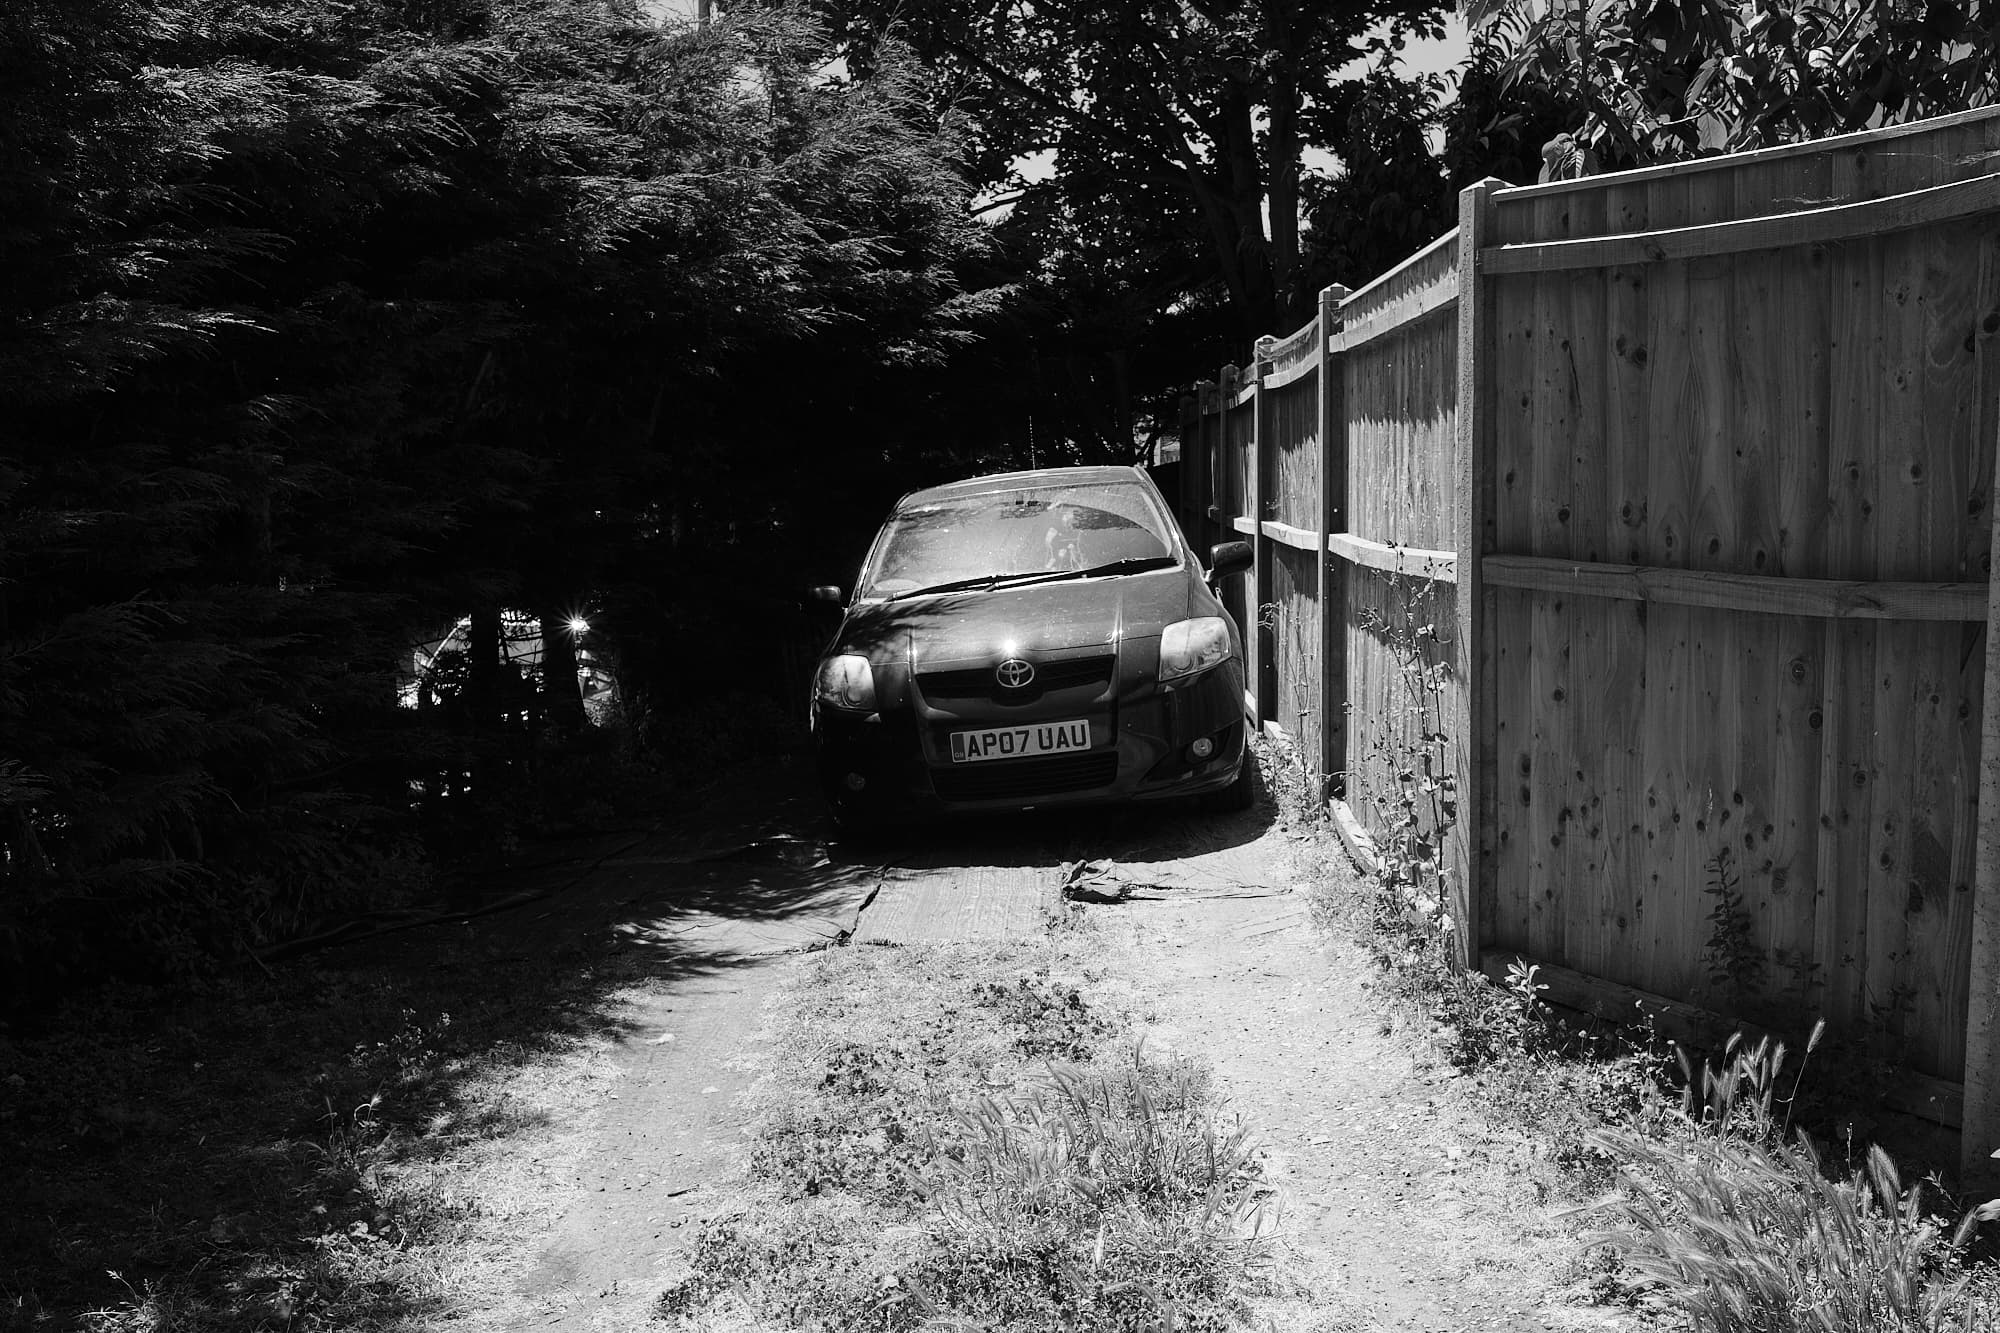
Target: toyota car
{"points": [[1031, 639]]}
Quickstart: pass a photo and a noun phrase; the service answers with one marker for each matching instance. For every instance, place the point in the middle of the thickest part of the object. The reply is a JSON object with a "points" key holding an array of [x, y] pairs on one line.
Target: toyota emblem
{"points": [[1014, 674]]}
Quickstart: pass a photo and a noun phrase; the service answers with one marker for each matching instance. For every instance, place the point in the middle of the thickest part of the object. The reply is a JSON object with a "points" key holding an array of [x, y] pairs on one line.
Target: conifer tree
{"points": [[322, 327]]}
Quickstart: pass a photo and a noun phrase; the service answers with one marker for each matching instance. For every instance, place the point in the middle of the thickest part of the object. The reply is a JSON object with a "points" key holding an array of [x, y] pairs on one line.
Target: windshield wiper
{"points": [[1026, 578], [1134, 565]]}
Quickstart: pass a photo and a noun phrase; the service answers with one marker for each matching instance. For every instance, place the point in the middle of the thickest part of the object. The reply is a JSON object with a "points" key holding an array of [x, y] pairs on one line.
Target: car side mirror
{"points": [[825, 602], [1227, 558]]}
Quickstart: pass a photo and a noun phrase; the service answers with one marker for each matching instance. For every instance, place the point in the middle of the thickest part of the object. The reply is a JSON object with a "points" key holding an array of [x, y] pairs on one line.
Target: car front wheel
{"points": [[1239, 795]]}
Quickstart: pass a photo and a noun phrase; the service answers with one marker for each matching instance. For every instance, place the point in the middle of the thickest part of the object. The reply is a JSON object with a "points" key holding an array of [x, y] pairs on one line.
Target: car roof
{"points": [[1014, 481]]}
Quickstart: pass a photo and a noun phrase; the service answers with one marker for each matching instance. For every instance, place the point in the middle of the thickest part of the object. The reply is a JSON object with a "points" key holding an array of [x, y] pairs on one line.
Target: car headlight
{"points": [[1190, 647], [846, 682]]}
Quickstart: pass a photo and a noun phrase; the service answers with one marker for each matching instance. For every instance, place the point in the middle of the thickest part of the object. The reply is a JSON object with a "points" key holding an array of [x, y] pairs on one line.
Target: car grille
{"points": [[978, 682], [1012, 779]]}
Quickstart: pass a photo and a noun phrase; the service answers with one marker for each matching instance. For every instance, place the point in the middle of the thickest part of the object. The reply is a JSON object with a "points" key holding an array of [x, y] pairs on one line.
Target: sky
{"points": [[1439, 57]]}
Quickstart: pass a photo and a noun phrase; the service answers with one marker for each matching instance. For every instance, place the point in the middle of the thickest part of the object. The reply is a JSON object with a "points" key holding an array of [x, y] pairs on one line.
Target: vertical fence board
{"points": [[1847, 815], [1981, 1134]]}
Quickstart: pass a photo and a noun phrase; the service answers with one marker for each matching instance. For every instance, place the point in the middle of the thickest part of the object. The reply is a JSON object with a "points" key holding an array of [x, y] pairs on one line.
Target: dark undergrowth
{"points": [[288, 1145], [255, 1153]]}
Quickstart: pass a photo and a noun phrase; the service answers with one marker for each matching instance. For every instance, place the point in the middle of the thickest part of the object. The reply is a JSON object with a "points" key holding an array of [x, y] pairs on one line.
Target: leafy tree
{"points": [[323, 327], [1655, 80], [1203, 111], [1392, 196], [1496, 125]]}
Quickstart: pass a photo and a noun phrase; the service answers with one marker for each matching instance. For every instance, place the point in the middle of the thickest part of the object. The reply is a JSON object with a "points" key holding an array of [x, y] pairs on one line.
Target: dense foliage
{"points": [[1165, 180], [322, 326], [1656, 80]]}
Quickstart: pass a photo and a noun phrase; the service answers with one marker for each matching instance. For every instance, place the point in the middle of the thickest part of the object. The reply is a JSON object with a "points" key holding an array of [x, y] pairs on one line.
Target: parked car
{"points": [[1032, 639]]}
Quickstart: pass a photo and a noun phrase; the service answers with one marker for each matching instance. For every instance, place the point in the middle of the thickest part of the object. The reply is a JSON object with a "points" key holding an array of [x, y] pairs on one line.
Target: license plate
{"points": [[972, 747]]}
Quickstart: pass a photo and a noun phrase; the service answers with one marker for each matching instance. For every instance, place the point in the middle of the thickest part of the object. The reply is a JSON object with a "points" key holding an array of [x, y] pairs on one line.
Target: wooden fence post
{"points": [[1979, 1135], [1332, 593], [1470, 856], [1265, 685]]}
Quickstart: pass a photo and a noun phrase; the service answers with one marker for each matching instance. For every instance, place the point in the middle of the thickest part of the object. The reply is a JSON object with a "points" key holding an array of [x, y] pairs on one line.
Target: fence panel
{"points": [[1769, 814], [1290, 535], [1665, 498], [1291, 385], [1398, 365]]}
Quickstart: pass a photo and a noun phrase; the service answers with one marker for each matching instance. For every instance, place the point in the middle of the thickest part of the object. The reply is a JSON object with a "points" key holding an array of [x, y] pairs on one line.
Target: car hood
{"points": [[1044, 617]]}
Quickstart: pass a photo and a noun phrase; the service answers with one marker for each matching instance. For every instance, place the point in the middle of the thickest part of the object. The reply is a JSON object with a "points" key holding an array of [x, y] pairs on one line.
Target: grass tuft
{"points": [[918, 1162], [1756, 1237]]}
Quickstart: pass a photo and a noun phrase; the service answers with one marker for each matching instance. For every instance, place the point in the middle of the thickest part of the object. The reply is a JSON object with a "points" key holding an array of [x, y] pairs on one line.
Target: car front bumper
{"points": [[897, 763]]}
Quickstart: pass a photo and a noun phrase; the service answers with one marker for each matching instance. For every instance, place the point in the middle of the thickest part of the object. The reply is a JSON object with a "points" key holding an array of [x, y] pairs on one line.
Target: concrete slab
{"points": [[929, 905]]}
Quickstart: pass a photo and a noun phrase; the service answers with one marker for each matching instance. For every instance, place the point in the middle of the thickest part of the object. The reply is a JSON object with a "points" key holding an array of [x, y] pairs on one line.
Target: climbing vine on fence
{"points": [[1401, 776]]}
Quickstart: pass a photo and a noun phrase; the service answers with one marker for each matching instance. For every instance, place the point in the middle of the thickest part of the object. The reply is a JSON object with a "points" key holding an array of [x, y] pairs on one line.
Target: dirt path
{"points": [[1401, 1200], [1404, 1209], [656, 1160]]}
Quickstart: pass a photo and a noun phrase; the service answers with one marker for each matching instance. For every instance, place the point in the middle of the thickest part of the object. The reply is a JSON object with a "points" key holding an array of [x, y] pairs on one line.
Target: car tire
{"points": [[1240, 794]]}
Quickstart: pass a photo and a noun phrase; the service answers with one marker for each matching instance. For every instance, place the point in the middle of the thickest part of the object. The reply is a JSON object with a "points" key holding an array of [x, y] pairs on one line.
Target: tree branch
{"points": [[1082, 119]]}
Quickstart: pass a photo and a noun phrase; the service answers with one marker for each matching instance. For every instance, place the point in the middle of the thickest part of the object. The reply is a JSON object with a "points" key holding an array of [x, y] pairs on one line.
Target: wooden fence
{"points": [[1629, 547]]}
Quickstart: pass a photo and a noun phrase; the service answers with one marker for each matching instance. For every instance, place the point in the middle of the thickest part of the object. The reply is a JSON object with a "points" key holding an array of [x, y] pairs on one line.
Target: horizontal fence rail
{"points": [[1623, 571]]}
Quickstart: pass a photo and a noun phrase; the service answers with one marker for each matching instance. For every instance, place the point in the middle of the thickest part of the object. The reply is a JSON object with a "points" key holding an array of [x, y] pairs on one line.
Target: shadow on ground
{"points": [[1139, 832], [218, 1158]]}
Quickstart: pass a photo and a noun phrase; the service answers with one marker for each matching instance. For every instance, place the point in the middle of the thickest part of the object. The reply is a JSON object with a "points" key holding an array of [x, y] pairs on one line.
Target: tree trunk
{"points": [[482, 670], [1121, 401], [1282, 176], [1237, 153]]}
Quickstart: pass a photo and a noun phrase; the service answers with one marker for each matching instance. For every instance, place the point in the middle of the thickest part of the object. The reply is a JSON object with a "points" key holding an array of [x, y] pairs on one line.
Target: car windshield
{"points": [[1030, 531]]}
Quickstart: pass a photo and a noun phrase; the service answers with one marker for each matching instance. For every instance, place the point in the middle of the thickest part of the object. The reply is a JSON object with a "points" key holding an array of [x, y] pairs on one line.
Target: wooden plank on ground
{"points": [[1360, 846]]}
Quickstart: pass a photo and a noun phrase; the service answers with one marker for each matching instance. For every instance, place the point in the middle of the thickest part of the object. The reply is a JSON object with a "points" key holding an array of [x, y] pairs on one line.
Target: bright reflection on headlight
{"points": [[846, 682], [1189, 647]]}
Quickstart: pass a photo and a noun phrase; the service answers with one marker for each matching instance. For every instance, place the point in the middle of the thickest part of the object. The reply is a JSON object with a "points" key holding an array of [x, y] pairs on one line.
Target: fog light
{"points": [[854, 782], [1202, 749]]}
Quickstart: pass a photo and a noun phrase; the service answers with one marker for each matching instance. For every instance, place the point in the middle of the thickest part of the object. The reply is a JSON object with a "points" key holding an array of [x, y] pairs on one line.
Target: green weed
{"points": [[920, 1163], [1755, 1237], [1116, 1197]]}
